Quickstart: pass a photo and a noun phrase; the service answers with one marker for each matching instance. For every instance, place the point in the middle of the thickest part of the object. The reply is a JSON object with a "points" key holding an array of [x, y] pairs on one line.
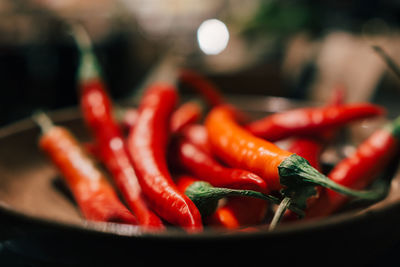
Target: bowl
{"points": [[39, 220]]}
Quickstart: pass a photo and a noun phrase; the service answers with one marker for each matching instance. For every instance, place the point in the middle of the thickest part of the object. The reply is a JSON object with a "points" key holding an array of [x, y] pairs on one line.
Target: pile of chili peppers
{"points": [[192, 165]]}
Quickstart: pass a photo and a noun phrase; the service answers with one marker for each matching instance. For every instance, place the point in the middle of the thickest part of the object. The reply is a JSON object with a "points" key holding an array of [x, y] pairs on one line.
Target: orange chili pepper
{"points": [[95, 197], [240, 148], [280, 168]]}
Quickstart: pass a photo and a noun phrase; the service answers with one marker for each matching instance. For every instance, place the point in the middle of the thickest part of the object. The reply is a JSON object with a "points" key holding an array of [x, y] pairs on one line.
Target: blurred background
{"points": [[294, 49]]}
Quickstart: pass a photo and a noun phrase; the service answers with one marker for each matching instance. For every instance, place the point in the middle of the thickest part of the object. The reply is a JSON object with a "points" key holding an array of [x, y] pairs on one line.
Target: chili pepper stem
{"points": [[89, 66], [206, 197], [394, 127], [283, 206], [43, 121], [296, 172]]}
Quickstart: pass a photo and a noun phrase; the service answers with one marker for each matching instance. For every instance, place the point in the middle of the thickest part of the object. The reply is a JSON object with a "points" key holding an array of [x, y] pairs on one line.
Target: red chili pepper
{"points": [[202, 86], [310, 121], [97, 110], [147, 144], [308, 148], [186, 114], [360, 169], [197, 135], [206, 168], [279, 168], [95, 197]]}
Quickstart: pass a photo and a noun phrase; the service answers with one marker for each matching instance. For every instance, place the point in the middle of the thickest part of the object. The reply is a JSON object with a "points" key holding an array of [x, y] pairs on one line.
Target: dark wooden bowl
{"points": [[39, 220]]}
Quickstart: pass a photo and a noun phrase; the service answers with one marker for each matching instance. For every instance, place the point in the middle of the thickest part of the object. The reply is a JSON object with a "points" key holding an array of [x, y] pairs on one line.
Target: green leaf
{"points": [[89, 67]]}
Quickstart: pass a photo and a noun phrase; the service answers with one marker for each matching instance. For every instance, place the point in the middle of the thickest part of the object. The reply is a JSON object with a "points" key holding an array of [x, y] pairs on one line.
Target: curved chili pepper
{"points": [[358, 170], [97, 110], [202, 86], [95, 197], [203, 166], [238, 147], [147, 144], [309, 121], [186, 114]]}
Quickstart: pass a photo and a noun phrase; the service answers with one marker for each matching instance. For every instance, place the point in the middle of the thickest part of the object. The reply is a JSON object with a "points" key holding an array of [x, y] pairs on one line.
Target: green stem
{"points": [[206, 197], [89, 67], [43, 121], [280, 212], [296, 172], [394, 127]]}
